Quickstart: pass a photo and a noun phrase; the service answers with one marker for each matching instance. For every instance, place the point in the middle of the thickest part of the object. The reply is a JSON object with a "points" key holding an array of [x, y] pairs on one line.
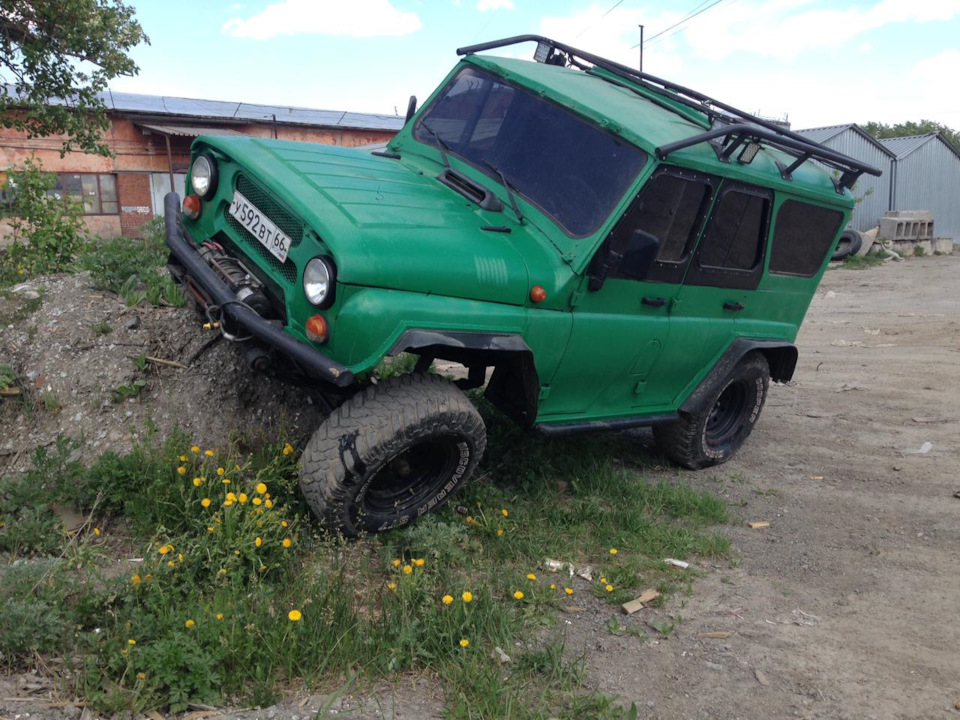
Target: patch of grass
{"points": [[13, 308], [125, 392], [239, 594], [102, 328], [856, 262], [134, 268], [51, 401], [7, 376]]}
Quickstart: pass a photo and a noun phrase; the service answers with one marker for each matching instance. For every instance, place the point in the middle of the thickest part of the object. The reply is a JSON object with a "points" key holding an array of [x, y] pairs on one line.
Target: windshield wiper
{"points": [[441, 145], [508, 188]]}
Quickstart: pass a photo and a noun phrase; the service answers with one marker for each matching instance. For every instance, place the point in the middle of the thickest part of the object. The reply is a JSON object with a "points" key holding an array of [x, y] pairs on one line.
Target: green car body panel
{"points": [[413, 254]]}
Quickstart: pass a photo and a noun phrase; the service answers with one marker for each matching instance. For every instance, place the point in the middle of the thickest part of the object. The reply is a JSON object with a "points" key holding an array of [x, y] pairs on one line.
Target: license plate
{"points": [[260, 226]]}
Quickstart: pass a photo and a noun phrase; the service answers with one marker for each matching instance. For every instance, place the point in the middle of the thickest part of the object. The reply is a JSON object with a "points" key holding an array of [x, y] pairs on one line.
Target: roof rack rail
{"points": [[734, 126]]}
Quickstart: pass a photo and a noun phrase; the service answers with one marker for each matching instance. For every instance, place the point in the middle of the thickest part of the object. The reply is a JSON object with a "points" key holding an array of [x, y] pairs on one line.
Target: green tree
{"points": [[47, 230], [55, 56], [882, 130]]}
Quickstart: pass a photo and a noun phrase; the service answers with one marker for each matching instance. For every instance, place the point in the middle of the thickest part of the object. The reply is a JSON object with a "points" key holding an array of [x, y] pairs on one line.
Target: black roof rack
{"points": [[732, 127]]}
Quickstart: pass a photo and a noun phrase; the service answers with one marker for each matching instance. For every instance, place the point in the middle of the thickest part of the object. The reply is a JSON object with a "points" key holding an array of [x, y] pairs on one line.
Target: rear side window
{"points": [[802, 237], [672, 207], [734, 240]]}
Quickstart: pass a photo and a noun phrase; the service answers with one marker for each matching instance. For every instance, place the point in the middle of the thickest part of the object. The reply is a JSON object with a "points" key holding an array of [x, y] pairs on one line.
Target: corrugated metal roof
{"points": [[903, 146], [221, 110], [825, 134], [188, 130]]}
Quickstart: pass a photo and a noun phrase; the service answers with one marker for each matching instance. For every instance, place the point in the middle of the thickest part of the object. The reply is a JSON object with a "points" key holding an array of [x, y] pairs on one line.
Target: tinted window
{"points": [[569, 168], [734, 238], [802, 237]]}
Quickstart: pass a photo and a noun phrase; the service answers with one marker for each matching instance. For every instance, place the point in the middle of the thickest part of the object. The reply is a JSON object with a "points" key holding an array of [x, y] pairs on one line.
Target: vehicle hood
{"points": [[388, 224]]}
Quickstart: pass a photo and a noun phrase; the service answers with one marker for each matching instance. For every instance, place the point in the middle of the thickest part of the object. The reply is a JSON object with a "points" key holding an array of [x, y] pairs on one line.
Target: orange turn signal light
{"points": [[317, 329], [191, 206], [538, 294]]}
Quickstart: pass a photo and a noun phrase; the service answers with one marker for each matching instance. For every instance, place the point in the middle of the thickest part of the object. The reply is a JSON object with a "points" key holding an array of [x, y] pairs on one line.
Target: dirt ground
{"points": [[846, 606]]}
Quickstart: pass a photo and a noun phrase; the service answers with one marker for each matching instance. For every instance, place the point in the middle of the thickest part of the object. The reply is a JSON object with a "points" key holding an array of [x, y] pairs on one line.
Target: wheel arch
{"points": [[514, 386], [780, 356]]}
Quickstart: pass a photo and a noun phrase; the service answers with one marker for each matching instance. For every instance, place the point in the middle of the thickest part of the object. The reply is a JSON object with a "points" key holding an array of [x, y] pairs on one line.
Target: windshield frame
{"points": [[419, 127]]}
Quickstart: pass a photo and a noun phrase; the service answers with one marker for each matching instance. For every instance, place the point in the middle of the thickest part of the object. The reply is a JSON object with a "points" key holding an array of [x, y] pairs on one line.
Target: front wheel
{"points": [[390, 454], [713, 434]]}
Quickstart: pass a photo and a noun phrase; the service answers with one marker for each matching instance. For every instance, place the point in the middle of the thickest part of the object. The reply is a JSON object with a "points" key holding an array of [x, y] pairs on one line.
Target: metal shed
{"points": [[873, 193], [926, 176]]}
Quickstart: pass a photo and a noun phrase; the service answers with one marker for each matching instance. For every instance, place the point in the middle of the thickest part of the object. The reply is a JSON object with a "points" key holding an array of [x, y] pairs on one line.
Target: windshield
{"points": [[570, 169]]}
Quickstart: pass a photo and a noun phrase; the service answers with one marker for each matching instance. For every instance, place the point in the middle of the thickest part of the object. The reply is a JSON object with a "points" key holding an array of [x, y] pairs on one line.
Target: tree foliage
{"points": [[882, 130], [55, 57]]}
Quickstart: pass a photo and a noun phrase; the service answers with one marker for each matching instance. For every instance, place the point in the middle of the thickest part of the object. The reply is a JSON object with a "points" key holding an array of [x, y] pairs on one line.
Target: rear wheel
{"points": [[390, 454], [713, 434]]}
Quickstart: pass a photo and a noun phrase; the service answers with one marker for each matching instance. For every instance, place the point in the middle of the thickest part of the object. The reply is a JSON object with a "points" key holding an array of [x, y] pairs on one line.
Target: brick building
{"points": [[150, 137]]}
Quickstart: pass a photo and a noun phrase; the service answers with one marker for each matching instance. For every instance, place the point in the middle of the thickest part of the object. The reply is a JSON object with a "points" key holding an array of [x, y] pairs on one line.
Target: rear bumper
{"points": [[311, 361]]}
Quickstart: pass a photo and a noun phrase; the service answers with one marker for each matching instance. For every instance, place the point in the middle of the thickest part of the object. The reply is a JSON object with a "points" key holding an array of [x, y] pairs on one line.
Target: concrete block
{"points": [[944, 246]]}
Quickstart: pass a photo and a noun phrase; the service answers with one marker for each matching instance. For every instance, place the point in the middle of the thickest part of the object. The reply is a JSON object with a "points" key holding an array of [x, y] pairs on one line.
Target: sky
{"points": [[816, 62]]}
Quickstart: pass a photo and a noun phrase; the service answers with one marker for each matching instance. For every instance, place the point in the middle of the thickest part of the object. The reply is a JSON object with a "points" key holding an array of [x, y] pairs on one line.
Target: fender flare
{"points": [[781, 356], [514, 387]]}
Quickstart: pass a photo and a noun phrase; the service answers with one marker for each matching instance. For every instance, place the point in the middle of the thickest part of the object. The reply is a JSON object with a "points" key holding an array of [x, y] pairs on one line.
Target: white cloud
{"points": [[485, 5], [358, 18]]}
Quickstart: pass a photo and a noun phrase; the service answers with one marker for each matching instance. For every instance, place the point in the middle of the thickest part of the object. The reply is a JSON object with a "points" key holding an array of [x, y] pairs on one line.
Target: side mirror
{"points": [[639, 254], [411, 108]]}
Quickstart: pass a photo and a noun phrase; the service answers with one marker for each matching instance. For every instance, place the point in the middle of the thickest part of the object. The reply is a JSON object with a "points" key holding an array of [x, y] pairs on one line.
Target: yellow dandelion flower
{"points": [[470, 520], [269, 504], [242, 497], [237, 467], [613, 551], [231, 497], [392, 585], [171, 563], [504, 512], [467, 597], [552, 586], [261, 488], [183, 458], [189, 623], [464, 642], [208, 453], [603, 580], [147, 578], [226, 481], [181, 470], [219, 616], [396, 561], [197, 482], [500, 532], [609, 588], [257, 501], [266, 495], [568, 591], [518, 595], [407, 569], [209, 528], [287, 448], [135, 579], [262, 568], [294, 615], [287, 542], [283, 523], [131, 641], [531, 576], [124, 652], [418, 562], [165, 549], [236, 552], [205, 502], [195, 449], [228, 502], [180, 557], [141, 676], [222, 571], [258, 542], [447, 599], [221, 472]]}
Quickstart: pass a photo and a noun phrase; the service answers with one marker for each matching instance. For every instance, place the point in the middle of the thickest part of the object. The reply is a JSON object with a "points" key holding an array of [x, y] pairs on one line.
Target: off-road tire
{"points": [[850, 243], [353, 467], [714, 433]]}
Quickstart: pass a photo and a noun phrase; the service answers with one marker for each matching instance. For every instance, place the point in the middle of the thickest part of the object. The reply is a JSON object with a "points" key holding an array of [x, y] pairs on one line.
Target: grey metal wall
{"points": [[875, 192], [929, 179]]}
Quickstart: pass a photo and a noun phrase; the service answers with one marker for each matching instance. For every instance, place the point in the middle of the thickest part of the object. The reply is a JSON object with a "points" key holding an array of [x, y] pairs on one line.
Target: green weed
{"points": [[102, 328], [126, 392], [857, 262]]}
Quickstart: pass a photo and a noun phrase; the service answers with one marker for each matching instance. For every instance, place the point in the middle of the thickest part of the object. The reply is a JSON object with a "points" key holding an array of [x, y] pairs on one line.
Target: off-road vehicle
{"points": [[599, 248]]}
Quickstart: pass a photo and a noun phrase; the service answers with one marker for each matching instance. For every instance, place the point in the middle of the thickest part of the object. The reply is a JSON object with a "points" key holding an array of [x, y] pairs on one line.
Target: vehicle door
{"points": [[613, 364], [720, 284]]}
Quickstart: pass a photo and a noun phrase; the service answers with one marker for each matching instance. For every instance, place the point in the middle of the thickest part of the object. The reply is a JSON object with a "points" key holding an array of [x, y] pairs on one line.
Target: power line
{"points": [[616, 5], [690, 16]]}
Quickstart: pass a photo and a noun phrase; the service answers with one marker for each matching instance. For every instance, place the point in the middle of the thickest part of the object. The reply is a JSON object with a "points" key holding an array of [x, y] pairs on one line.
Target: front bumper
{"points": [[312, 361]]}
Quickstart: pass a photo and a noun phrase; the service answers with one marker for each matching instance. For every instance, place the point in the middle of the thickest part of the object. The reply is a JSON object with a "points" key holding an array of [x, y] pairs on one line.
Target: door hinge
{"points": [[544, 392], [575, 298], [641, 386]]}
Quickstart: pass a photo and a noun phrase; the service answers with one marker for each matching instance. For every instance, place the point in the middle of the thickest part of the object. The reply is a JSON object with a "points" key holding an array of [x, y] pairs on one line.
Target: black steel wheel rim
{"points": [[728, 413], [412, 477]]}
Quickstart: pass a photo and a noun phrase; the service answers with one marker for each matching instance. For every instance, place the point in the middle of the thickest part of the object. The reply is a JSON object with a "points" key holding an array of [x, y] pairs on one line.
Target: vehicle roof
{"points": [[649, 125]]}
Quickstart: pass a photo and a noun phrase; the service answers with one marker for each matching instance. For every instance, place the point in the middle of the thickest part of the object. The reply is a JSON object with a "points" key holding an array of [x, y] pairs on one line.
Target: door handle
{"points": [[654, 302], [735, 306]]}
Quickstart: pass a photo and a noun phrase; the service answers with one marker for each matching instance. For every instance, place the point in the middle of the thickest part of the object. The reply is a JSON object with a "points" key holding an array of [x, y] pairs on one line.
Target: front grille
{"points": [[286, 269], [290, 225], [275, 293]]}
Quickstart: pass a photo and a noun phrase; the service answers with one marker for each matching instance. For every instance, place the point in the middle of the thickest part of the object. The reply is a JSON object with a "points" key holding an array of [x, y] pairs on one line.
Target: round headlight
{"points": [[203, 176], [318, 281]]}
